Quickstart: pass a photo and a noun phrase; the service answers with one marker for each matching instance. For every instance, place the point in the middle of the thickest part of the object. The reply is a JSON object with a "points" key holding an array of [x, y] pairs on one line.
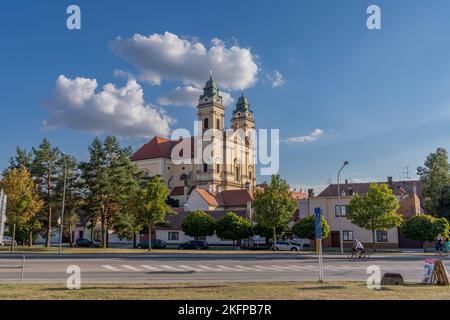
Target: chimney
{"points": [[210, 188], [390, 182], [346, 181], [310, 193]]}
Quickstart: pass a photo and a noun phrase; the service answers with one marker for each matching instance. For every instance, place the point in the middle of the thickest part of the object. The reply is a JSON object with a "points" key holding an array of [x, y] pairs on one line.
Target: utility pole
{"points": [[339, 198], [63, 204], [3, 201]]}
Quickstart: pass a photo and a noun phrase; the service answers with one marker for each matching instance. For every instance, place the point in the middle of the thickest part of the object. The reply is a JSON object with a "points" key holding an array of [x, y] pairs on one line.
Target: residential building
{"points": [[335, 208]]}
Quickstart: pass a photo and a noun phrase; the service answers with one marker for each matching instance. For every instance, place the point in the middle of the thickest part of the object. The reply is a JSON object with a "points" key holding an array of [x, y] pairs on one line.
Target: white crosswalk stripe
{"points": [[248, 268], [171, 268], [304, 268], [111, 268], [130, 267], [209, 268], [150, 268], [268, 268], [284, 268], [404, 267], [191, 268], [226, 268]]}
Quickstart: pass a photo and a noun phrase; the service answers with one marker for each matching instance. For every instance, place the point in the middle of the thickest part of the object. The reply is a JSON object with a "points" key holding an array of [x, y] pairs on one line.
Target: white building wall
{"points": [[327, 204], [212, 240]]}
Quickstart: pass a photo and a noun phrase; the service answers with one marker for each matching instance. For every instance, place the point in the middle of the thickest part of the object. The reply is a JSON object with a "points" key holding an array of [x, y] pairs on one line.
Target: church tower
{"points": [[211, 114], [242, 169]]}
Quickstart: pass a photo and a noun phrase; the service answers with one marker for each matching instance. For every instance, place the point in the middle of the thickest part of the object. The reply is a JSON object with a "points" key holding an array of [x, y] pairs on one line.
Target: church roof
{"points": [[242, 105], [158, 148]]}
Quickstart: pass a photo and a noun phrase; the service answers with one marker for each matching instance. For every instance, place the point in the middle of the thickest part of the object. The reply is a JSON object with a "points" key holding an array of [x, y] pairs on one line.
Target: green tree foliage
{"points": [[233, 227], [198, 224], [23, 158], [154, 206], [435, 178], [305, 228], [273, 205], [45, 170], [425, 228], [267, 232], [376, 210], [106, 178], [23, 199]]}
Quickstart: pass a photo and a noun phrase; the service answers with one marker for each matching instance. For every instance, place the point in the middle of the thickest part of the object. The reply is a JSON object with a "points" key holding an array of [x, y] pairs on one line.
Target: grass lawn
{"points": [[238, 291]]}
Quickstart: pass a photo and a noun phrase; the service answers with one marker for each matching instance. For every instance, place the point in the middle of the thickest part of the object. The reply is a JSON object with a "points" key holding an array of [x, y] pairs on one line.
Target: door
{"points": [[335, 239]]}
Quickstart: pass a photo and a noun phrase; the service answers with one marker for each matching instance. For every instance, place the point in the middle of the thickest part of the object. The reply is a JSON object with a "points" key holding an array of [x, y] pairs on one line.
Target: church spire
{"points": [[242, 105], [211, 89]]}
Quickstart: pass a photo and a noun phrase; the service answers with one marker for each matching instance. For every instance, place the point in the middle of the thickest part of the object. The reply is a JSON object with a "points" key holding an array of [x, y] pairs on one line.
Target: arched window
{"points": [[205, 123], [205, 167], [218, 123], [218, 168], [238, 177]]}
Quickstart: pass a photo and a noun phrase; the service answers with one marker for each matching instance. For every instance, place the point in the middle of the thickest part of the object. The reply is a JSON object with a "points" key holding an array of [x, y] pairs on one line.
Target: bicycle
{"points": [[358, 255]]}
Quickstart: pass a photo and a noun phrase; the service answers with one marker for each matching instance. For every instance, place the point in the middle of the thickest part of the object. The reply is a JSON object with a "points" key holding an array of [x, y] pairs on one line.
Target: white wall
{"points": [[164, 235]]}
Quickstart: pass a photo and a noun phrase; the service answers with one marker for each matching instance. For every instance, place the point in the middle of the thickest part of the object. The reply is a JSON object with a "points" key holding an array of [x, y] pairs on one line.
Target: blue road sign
{"points": [[318, 213]]}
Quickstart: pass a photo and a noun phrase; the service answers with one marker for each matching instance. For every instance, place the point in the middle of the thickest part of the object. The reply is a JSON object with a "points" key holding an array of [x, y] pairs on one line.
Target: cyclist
{"points": [[439, 244], [358, 247]]}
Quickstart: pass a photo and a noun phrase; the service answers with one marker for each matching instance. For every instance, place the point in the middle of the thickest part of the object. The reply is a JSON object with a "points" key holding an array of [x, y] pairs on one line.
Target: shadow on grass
{"points": [[323, 288]]}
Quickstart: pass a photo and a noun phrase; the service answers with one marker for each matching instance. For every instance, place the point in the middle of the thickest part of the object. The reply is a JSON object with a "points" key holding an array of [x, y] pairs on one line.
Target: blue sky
{"points": [[380, 97]]}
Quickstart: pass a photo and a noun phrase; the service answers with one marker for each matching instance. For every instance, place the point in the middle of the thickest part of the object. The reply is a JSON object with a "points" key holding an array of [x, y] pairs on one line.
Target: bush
{"points": [[305, 228], [425, 228], [198, 224]]}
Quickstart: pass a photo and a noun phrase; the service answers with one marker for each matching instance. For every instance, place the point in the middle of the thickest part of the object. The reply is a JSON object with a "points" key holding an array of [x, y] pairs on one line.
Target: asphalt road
{"points": [[208, 268]]}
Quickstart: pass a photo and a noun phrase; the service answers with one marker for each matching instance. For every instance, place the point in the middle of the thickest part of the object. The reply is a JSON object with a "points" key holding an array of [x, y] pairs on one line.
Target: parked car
{"points": [[156, 244], [7, 241], [86, 243], [287, 246], [194, 244]]}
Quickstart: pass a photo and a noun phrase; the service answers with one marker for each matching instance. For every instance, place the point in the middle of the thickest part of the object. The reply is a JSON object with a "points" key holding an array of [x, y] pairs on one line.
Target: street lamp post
{"points": [[339, 198], [63, 203]]}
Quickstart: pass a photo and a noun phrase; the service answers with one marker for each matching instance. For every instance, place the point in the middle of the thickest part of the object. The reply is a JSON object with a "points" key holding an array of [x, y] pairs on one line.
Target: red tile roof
{"points": [[228, 198], [297, 195], [158, 148], [234, 198]]}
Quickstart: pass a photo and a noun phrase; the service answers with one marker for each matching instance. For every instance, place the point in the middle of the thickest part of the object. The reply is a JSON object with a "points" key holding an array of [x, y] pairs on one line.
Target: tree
{"points": [[23, 158], [233, 227], [44, 169], [106, 178], [425, 228], [267, 232], [71, 220], [435, 178], [376, 210], [68, 170], [305, 228], [274, 206], [23, 200], [154, 206], [198, 224]]}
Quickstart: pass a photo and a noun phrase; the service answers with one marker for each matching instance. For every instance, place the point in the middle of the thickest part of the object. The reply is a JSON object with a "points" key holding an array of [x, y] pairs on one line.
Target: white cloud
{"points": [[121, 111], [277, 79], [189, 96], [168, 57], [310, 138]]}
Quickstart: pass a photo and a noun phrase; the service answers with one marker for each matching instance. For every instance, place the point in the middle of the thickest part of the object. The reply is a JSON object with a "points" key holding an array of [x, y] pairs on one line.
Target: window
{"points": [[205, 167], [237, 174], [217, 123], [205, 123], [218, 168], [173, 236], [382, 236], [347, 235], [340, 211]]}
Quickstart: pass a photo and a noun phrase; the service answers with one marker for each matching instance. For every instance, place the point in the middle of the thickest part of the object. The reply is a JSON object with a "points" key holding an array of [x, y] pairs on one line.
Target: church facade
{"points": [[216, 158]]}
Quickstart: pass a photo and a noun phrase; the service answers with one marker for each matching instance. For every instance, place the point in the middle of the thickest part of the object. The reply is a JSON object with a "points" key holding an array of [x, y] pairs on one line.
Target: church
{"points": [[216, 158]]}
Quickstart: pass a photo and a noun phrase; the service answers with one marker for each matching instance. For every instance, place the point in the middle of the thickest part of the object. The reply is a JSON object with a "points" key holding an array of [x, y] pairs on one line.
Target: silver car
{"points": [[7, 241]]}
